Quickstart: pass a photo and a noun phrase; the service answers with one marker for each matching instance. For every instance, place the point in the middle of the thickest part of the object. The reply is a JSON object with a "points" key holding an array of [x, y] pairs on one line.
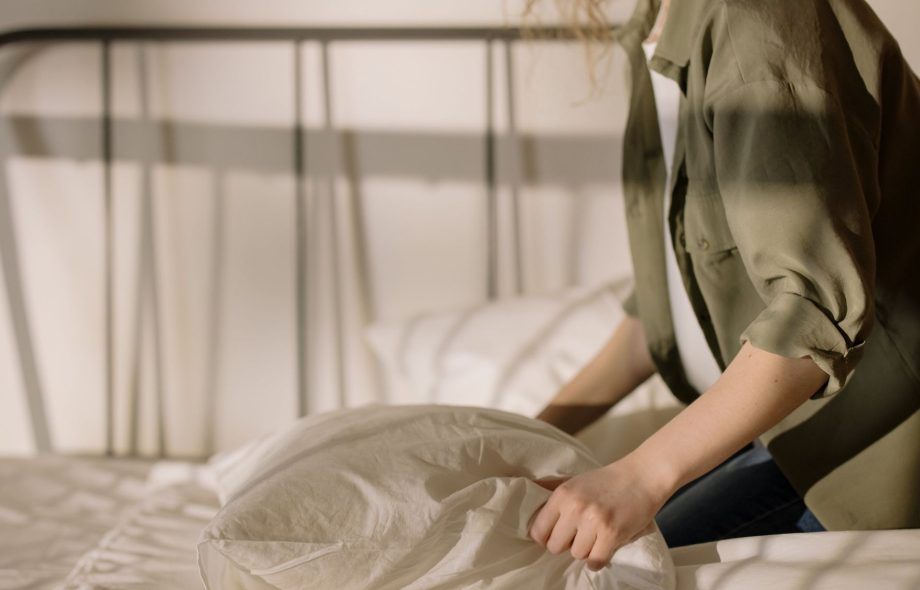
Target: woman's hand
{"points": [[595, 513]]}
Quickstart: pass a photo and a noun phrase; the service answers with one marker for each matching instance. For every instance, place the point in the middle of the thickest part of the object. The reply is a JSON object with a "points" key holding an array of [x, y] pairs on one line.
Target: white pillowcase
{"points": [[406, 497], [512, 354]]}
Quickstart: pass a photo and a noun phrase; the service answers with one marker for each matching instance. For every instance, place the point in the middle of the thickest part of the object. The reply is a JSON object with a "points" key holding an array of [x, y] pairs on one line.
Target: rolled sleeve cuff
{"points": [[795, 327]]}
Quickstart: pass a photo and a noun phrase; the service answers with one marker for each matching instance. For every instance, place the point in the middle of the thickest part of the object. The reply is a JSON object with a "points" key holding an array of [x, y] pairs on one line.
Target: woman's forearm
{"points": [[757, 390], [620, 366], [596, 512]]}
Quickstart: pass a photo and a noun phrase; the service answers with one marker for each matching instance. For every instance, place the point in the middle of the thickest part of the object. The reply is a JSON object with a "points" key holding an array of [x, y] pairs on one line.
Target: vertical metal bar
{"points": [[109, 247], [358, 228], [147, 282], [514, 162], [156, 312], [216, 313], [134, 382], [300, 212], [334, 224], [33, 389], [22, 333], [491, 181], [151, 267], [134, 401], [134, 408]]}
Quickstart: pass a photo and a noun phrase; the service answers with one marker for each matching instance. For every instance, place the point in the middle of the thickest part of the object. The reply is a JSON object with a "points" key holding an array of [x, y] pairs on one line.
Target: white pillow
{"points": [[404, 497], [512, 354]]}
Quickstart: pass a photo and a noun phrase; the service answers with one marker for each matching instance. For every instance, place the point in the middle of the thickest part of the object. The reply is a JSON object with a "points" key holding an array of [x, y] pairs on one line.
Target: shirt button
{"points": [[702, 244]]}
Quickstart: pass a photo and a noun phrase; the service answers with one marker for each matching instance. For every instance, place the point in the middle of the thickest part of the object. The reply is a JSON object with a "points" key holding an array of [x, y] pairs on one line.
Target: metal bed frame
{"points": [[105, 37]]}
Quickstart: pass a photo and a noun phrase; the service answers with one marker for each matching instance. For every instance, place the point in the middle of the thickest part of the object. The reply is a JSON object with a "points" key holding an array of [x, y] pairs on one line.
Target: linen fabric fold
{"points": [[409, 497]]}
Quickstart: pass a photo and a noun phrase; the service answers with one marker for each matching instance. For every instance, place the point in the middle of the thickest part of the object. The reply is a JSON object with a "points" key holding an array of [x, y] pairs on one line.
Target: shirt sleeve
{"points": [[795, 195]]}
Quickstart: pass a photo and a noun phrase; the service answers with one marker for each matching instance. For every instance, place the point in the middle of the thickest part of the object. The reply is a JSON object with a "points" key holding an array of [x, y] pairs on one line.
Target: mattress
{"points": [[100, 523]]}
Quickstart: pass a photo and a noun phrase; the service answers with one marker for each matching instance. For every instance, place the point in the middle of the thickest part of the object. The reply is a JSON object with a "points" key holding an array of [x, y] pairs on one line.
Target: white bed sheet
{"points": [[100, 523], [105, 523], [842, 560]]}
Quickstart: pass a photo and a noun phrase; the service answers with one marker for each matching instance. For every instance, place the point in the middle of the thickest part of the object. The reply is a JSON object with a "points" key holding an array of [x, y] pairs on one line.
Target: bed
{"points": [[91, 523], [131, 516]]}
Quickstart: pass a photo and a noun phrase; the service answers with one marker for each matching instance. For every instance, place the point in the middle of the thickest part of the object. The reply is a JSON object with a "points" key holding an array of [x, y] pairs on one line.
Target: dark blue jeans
{"points": [[745, 496]]}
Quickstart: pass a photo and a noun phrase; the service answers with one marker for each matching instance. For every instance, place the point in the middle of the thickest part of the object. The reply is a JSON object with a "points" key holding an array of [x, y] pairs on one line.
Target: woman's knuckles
{"points": [[557, 547], [598, 515], [576, 503]]}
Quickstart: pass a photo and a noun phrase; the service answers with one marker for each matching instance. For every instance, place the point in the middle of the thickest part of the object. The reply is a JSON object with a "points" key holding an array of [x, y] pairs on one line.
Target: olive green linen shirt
{"points": [[795, 220]]}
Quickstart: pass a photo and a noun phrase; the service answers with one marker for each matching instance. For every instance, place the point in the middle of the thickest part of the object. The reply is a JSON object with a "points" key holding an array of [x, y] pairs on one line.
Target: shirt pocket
{"points": [[718, 271], [705, 226]]}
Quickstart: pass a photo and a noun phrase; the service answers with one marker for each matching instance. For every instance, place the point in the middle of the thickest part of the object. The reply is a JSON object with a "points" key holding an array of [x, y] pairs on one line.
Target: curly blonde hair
{"points": [[588, 21]]}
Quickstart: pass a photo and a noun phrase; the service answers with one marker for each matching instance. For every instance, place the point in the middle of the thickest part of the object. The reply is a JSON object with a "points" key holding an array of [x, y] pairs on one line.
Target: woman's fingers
{"points": [[595, 513], [583, 543], [560, 534], [560, 540], [543, 524], [602, 552]]}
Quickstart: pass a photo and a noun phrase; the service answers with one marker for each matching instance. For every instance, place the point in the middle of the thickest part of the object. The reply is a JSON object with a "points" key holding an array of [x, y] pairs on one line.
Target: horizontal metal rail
{"points": [[193, 34]]}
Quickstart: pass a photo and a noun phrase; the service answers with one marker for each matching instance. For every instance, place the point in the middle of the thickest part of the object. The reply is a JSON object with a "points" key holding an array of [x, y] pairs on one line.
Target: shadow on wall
{"points": [[570, 161]]}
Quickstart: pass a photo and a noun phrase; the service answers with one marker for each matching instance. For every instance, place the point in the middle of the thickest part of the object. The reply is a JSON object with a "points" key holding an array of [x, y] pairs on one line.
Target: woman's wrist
{"points": [[660, 476]]}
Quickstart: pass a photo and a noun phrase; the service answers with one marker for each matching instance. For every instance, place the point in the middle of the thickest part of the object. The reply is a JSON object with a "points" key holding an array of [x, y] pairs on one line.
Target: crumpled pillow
{"points": [[404, 498]]}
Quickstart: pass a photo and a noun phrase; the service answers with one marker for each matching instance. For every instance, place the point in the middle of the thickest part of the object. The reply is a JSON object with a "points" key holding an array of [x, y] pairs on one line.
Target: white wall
{"points": [[902, 18]]}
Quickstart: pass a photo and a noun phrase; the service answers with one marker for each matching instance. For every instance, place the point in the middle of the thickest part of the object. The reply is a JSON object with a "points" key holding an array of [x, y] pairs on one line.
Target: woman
{"points": [[777, 142]]}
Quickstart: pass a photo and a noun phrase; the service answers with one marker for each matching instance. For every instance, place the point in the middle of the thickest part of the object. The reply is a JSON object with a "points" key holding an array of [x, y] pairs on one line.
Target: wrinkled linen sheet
{"points": [[405, 497], [844, 560], [100, 523]]}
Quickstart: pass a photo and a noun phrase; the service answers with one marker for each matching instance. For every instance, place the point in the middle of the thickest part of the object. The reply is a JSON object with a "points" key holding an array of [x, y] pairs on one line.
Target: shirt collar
{"points": [[673, 51]]}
